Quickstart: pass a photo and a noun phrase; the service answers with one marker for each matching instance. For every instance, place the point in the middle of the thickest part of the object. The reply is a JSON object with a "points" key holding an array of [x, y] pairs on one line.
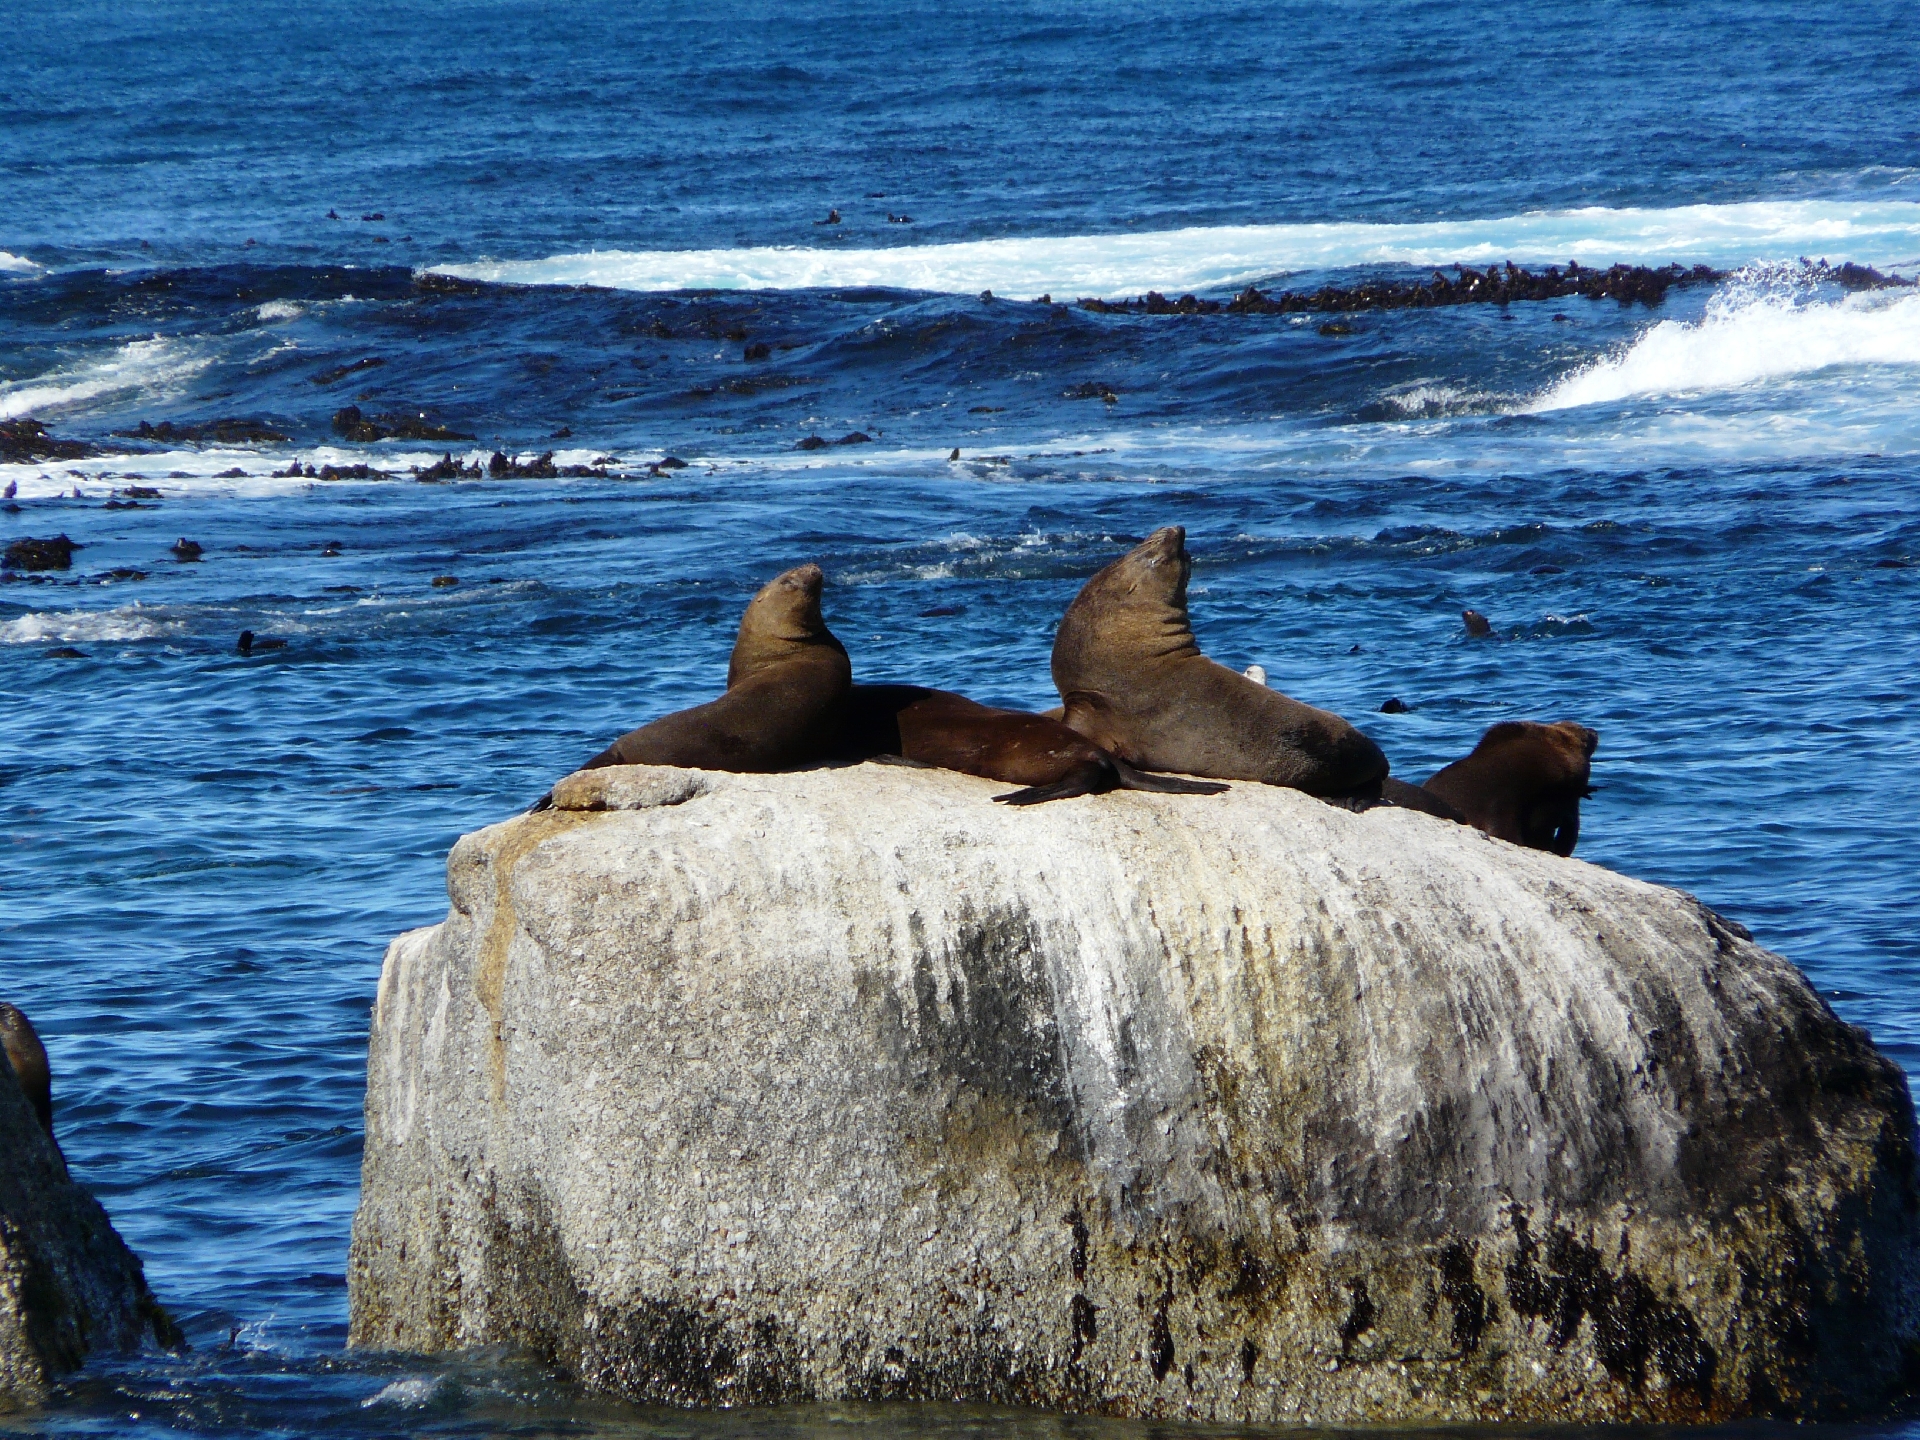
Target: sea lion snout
{"points": [[809, 578], [1167, 543]]}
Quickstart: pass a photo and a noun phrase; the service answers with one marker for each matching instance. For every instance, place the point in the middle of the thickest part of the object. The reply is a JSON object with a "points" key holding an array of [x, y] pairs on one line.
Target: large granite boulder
{"points": [[849, 1083], [68, 1283]]}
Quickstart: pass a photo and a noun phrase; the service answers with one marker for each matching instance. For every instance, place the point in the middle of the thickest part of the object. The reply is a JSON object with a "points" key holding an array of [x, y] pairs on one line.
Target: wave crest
{"points": [[1764, 325], [130, 622], [1219, 257], [150, 367]]}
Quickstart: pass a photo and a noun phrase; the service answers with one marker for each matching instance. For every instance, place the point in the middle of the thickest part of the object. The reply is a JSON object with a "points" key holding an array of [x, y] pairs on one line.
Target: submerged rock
{"points": [[719, 1088], [69, 1286]]}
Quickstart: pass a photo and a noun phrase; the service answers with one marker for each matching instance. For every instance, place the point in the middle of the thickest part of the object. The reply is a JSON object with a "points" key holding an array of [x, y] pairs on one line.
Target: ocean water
{"points": [[1696, 526]]}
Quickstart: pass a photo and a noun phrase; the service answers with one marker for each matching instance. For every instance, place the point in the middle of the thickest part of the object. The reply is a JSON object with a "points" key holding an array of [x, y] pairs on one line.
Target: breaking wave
{"points": [[149, 367], [1210, 258], [130, 622], [1762, 327]]}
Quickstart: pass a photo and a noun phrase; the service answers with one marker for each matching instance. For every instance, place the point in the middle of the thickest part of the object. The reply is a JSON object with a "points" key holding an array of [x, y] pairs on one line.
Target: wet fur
{"points": [[1524, 783], [787, 684]]}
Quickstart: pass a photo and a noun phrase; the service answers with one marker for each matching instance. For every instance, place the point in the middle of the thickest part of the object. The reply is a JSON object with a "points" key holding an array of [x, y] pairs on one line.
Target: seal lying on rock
{"points": [[1523, 782], [787, 687], [1135, 683], [937, 727], [28, 1059]]}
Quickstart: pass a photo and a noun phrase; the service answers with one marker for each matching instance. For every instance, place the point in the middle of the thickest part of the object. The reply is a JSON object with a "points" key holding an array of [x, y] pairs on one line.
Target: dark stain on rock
{"points": [[1632, 1326], [1083, 1325], [1160, 1343], [1249, 1278], [997, 1037], [1471, 1312], [1360, 1317], [1249, 1357], [1078, 1224]]}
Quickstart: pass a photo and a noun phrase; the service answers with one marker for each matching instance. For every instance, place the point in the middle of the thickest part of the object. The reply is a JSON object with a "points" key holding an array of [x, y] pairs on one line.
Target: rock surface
{"points": [[724, 1088], [68, 1283]]}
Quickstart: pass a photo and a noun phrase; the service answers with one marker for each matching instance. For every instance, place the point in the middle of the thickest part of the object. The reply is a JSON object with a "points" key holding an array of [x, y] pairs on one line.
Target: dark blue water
{"points": [[1695, 525]]}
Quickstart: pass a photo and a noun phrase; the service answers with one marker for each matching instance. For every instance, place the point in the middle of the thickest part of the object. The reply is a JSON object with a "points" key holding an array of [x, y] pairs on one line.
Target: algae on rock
{"points": [[721, 1088]]}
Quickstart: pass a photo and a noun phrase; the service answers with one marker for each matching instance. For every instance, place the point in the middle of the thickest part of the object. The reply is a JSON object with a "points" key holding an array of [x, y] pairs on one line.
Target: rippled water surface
{"points": [[1694, 525]]}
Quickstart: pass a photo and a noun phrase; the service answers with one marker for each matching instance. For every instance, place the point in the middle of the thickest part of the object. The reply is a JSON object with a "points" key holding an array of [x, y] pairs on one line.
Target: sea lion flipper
{"points": [[1132, 779], [1087, 779], [545, 802]]}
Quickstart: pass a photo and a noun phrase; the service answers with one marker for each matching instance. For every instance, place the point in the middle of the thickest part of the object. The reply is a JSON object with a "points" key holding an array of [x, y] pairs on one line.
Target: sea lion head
{"points": [[1135, 609], [783, 620], [1524, 782], [27, 1059]]}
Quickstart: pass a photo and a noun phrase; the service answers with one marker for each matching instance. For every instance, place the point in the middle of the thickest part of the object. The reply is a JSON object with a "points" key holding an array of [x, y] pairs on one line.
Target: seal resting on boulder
{"points": [[940, 728], [1523, 782], [786, 691], [1135, 683]]}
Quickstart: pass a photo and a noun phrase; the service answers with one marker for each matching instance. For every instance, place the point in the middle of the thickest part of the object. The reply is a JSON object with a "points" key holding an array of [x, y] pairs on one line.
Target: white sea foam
{"points": [[1434, 400], [413, 1392], [129, 622], [1873, 233], [1755, 331], [16, 265], [279, 310], [145, 367]]}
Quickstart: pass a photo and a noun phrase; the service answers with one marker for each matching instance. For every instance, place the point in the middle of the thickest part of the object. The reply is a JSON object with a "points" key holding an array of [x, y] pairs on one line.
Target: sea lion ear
{"points": [[1589, 740]]}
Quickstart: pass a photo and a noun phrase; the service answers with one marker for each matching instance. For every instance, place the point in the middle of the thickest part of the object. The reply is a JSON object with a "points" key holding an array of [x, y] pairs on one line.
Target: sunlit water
{"points": [[1695, 528]]}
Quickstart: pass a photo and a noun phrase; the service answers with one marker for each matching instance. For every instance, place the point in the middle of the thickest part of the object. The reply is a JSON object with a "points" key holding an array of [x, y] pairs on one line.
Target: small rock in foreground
{"points": [[69, 1286]]}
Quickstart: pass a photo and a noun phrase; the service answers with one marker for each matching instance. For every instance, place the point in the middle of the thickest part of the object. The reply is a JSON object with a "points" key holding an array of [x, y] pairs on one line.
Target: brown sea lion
{"points": [[28, 1059], [786, 690], [938, 727], [1523, 782], [1415, 797], [1136, 684]]}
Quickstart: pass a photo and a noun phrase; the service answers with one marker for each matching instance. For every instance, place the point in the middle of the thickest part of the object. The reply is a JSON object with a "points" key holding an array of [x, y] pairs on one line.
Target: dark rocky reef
{"points": [[214, 432], [1496, 285], [26, 440], [30, 554], [350, 424]]}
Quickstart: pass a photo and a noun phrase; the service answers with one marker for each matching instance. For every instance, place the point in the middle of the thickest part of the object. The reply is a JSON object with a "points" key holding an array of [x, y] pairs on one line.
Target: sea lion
{"points": [[1414, 797], [1523, 782], [28, 1058], [938, 727], [786, 688], [1135, 683]]}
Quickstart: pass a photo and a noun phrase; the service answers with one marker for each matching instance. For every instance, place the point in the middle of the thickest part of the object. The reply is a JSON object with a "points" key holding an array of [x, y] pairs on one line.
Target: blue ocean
{"points": [[492, 354]]}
